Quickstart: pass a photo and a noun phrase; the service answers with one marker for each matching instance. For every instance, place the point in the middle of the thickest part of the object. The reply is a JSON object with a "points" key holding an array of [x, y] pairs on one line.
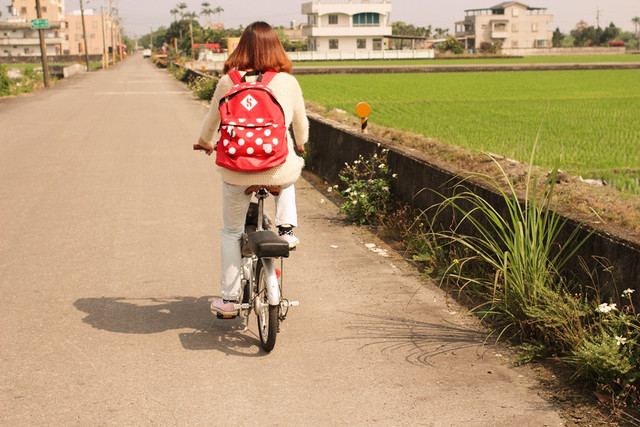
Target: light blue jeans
{"points": [[235, 204]]}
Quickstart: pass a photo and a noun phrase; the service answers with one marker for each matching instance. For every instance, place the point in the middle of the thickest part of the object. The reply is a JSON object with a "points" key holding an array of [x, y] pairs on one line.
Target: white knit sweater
{"points": [[289, 95]]}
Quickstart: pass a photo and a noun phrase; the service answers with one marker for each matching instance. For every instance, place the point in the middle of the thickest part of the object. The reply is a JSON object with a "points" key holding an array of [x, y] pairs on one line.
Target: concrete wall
{"points": [[560, 51], [420, 177], [50, 59]]}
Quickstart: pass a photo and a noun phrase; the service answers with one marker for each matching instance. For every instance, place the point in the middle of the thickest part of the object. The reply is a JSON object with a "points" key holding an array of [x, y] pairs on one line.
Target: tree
{"points": [[591, 36], [207, 11], [190, 16], [174, 12], [636, 22], [218, 10], [441, 32], [557, 38], [452, 45]]}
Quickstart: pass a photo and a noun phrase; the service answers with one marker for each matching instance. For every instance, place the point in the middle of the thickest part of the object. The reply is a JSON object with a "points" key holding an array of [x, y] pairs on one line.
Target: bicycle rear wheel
{"points": [[267, 314]]}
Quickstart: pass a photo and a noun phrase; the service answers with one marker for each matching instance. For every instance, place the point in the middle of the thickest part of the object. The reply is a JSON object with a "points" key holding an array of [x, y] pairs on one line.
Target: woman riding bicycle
{"points": [[259, 50]]}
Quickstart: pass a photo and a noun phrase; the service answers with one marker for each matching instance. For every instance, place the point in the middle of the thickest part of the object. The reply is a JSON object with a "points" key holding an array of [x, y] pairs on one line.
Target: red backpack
{"points": [[253, 133]]}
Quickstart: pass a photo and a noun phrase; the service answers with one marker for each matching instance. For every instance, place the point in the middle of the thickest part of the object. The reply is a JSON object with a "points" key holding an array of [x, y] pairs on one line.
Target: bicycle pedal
{"points": [[290, 303], [243, 306], [226, 316]]}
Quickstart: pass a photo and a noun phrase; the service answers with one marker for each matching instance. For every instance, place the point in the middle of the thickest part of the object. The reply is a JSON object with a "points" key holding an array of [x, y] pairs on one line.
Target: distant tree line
{"points": [[588, 35]]}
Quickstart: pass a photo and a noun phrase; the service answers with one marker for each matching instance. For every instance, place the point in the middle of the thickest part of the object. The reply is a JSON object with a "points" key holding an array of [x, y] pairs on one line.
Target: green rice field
{"points": [[484, 60], [589, 121]]}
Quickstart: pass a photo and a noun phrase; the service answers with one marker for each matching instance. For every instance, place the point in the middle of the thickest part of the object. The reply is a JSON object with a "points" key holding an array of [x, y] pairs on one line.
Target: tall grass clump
{"points": [[524, 291], [513, 263]]}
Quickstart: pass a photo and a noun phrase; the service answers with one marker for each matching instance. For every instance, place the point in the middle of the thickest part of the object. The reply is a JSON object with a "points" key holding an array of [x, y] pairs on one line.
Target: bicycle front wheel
{"points": [[267, 314]]}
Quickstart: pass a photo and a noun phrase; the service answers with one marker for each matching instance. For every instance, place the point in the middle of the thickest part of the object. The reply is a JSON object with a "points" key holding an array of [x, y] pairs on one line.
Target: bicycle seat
{"points": [[273, 189], [267, 244]]}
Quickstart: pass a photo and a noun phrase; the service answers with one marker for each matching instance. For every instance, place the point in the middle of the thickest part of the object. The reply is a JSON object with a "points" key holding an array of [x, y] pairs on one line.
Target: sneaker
{"points": [[224, 308], [286, 233]]}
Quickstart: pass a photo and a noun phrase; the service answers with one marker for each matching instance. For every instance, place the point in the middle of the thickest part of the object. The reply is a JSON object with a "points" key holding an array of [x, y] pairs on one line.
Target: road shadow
{"points": [[417, 341], [156, 315]]}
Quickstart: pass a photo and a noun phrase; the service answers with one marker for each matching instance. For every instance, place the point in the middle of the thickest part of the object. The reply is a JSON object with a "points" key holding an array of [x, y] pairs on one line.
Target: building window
{"points": [[23, 11], [333, 43], [514, 11], [366, 20], [312, 20], [333, 19], [377, 44], [514, 28], [44, 9], [362, 43], [534, 27]]}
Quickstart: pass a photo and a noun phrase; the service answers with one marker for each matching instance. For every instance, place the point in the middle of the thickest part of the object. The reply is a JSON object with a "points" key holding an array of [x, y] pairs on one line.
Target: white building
{"points": [[18, 39], [513, 24], [347, 25]]}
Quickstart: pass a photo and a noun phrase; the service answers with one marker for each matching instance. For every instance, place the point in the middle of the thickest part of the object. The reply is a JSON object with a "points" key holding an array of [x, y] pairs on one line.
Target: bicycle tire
{"points": [[267, 314]]}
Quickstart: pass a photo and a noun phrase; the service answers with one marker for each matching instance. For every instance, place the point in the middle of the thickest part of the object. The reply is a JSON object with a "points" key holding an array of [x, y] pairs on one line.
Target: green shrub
{"points": [[203, 87], [609, 355], [365, 185], [6, 83], [178, 72]]}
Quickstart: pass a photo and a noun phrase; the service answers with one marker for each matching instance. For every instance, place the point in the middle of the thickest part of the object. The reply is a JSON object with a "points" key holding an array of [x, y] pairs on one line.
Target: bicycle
{"points": [[262, 282]]}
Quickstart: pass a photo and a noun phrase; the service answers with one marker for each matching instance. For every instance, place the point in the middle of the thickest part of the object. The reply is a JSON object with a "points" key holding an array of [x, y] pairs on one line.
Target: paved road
{"points": [[109, 258]]}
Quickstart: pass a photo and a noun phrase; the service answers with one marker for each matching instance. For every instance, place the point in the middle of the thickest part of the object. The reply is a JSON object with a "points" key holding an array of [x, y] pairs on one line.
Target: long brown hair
{"points": [[259, 49]]}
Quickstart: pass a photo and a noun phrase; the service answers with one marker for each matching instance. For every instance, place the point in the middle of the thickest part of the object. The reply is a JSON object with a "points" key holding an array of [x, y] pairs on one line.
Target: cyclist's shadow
{"points": [[156, 315]]}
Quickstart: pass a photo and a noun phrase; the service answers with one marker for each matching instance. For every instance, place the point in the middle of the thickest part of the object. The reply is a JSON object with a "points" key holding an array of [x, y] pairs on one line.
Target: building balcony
{"points": [[29, 41], [369, 31], [499, 34]]}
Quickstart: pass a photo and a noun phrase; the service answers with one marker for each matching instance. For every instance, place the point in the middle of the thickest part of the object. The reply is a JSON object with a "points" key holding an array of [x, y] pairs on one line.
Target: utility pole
{"points": [[598, 18], [113, 38], [43, 50], [84, 35], [105, 54]]}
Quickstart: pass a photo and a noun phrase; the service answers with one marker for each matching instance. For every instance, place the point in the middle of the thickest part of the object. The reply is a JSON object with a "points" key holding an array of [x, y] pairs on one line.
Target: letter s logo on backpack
{"points": [[253, 133]]}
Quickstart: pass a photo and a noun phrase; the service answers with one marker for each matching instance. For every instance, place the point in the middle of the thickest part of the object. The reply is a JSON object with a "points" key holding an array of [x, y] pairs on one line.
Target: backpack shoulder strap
{"points": [[267, 76], [236, 77]]}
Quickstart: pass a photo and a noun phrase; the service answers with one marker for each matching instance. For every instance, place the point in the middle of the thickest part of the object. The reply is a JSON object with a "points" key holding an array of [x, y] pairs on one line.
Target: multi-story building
{"points": [[18, 39], [514, 24], [99, 33], [347, 25], [65, 34], [53, 10]]}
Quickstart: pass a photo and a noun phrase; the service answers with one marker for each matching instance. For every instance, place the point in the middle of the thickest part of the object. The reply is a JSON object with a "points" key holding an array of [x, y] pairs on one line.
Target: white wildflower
{"points": [[395, 175], [329, 190], [628, 292], [606, 308], [385, 188], [355, 202], [621, 340], [382, 166]]}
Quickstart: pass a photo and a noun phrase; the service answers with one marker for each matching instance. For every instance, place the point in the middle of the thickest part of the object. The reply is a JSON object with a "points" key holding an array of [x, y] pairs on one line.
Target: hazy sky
{"points": [[139, 16]]}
